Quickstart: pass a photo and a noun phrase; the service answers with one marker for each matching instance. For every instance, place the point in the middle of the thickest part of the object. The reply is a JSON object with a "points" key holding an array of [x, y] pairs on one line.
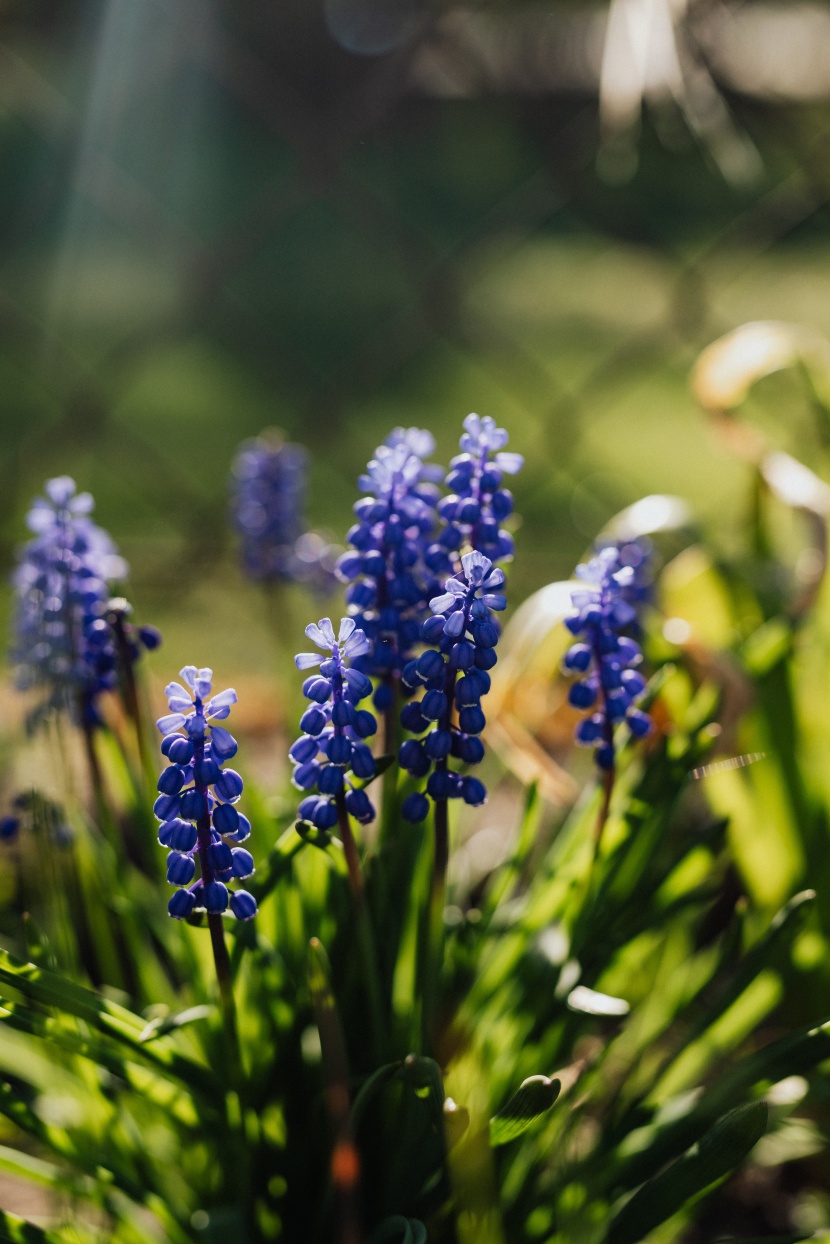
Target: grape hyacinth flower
{"points": [[455, 676], [64, 642], [331, 754], [388, 582], [197, 798], [478, 502], [269, 478], [605, 658]]}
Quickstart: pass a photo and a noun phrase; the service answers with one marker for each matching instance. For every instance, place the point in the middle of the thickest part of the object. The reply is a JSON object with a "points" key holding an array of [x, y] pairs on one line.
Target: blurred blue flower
{"points": [[197, 798], [9, 828], [268, 492], [331, 754], [617, 579], [63, 641], [454, 675]]}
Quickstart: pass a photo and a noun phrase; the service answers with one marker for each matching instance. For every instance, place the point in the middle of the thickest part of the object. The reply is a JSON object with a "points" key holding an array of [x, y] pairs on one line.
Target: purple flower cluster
{"points": [[385, 568], [606, 659], [405, 544], [269, 478], [478, 503], [197, 798], [64, 640], [331, 754], [454, 675]]}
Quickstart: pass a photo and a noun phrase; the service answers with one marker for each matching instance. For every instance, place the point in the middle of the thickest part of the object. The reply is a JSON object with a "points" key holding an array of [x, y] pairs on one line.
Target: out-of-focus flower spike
{"points": [[268, 491], [605, 659], [71, 635]]}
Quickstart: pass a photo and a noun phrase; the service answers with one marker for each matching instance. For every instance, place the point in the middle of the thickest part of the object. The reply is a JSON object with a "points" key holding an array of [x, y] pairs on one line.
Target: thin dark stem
{"points": [[364, 928], [437, 898], [440, 863], [350, 851], [95, 775], [129, 685], [605, 807], [610, 774], [224, 977], [441, 857], [216, 925]]}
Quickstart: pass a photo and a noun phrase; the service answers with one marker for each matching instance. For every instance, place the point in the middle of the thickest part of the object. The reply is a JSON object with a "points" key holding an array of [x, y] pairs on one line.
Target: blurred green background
{"points": [[336, 216]]}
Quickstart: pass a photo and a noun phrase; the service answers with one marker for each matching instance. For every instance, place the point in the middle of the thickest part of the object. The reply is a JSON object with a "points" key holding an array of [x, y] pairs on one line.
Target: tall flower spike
{"points": [[609, 686], [197, 798], [388, 583], [331, 755], [269, 479], [478, 503], [455, 676], [64, 642]]}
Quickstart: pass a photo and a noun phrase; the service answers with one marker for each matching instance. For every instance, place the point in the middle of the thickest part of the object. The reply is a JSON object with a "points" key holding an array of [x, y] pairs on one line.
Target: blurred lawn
{"points": [[577, 357]]}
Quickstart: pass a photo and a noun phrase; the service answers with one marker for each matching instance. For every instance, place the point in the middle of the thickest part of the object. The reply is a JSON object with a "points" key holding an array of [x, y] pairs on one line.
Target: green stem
{"points": [[129, 686], [437, 899], [364, 928], [605, 808], [224, 977], [96, 777]]}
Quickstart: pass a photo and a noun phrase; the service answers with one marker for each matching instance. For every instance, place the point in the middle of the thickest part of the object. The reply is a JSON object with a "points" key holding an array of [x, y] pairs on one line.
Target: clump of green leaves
{"points": [[595, 1041]]}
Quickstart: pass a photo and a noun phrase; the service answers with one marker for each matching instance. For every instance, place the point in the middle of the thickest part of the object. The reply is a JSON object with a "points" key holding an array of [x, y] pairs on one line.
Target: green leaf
{"points": [[46, 1174], [312, 835], [15, 1230], [370, 1087], [417, 1168], [770, 1239], [505, 882], [15, 1106], [278, 863], [718, 1152], [57, 1033], [399, 1230], [792, 1055], [50, 990], [169, 1023], [533, 1098], [767, 951], [769, 644]]}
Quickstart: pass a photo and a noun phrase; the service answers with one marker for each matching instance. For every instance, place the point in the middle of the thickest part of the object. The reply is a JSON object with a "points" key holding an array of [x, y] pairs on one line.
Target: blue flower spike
{"points": [[478, 502], [331, 756], [64, 643], [200, 822], [454, 674], [268, 490], [388, 581], [609, 684]]}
